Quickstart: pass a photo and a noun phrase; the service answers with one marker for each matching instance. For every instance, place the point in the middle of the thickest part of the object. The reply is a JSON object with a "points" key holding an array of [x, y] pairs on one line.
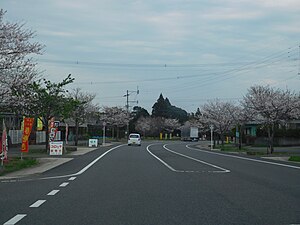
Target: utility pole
{"points": [[211, 136], [127, 101], [128, 93]]}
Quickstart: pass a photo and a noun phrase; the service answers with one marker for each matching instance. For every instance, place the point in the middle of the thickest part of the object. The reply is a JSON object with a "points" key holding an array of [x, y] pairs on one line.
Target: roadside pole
{"points": [[103, 139], [211, 136]]}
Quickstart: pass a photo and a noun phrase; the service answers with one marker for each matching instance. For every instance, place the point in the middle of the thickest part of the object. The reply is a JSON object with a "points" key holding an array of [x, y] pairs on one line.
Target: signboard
{"points": [[56, 148], [27, 126], [93, 142]]}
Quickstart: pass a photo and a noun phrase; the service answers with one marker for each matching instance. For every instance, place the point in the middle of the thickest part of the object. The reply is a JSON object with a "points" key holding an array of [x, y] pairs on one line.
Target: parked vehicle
{"points": [[134, 139], [189, 133]]}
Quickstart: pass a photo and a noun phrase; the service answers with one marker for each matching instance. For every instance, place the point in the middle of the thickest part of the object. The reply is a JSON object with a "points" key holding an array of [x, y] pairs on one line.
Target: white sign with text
{"points": [[93, 142], [56, 148]]}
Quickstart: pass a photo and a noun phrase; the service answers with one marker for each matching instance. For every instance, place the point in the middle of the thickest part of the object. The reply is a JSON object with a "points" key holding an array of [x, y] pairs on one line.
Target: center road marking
{"points": [[185, 171], [37, 204], [64, 184], [200, 161], [54, 192], [15, 219], [163, 162]]}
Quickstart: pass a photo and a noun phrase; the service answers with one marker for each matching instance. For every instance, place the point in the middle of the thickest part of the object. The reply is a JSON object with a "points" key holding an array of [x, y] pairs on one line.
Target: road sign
{"points": [[93, 142]]}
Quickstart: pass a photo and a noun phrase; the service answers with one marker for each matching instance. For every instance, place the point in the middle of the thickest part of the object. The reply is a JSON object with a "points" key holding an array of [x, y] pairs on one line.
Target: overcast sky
{"points": [[189, 50]]}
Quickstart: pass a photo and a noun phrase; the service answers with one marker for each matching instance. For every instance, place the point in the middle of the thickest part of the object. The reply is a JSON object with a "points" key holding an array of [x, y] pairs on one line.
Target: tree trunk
{"points": [[118, 133], [214, 140], [272, 138], [113, 132], [46, 128], [241, 137], [76, 131], [47, 140], [270, 141], [221, 136]]}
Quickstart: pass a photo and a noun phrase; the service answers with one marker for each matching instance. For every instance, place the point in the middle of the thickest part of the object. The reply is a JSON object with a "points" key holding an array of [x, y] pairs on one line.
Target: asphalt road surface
{"points": [[156, 184]]}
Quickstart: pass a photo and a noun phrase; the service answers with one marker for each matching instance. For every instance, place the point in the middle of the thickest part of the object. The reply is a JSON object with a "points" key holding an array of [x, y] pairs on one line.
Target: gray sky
{"points": [[189, 50]]}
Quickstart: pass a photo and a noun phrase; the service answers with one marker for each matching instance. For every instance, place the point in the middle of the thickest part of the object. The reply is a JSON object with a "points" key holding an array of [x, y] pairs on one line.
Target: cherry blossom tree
{"points": [[222, 115], [170, 124], [143, 125], [116, 117], [271, 107], [84, 109], [17, 68]]}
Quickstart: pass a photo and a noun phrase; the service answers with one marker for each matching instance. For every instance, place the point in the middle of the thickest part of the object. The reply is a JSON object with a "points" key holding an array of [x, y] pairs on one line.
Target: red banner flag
{"points": [[28, 122]]}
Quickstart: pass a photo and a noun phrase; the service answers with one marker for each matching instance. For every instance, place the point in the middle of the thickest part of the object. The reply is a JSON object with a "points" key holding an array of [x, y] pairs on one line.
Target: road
{"points": [[156, 184]]}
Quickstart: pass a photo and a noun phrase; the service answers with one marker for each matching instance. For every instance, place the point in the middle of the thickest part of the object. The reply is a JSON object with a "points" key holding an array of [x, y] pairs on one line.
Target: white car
{"points": [[134, 139]]}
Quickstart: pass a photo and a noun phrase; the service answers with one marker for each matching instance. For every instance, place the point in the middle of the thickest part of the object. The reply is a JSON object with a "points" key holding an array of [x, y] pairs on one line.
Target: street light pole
{"points": [[211, 136], [103, 139]]}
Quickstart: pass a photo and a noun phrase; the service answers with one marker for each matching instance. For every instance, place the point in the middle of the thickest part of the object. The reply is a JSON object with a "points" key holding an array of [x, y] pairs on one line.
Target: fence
{"points": [[16, 136]]}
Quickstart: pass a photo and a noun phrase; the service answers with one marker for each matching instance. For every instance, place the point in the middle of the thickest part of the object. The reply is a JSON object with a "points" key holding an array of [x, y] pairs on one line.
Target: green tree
{"points": [[46, 99], [163, 108], [136, 114], [82, 110]]}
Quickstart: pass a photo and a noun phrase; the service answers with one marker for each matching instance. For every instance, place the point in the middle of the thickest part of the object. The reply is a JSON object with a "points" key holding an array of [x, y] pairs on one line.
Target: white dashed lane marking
{"points": [[15, 219], [72, 178], [64, 184], [37, 204], [54, 192]]}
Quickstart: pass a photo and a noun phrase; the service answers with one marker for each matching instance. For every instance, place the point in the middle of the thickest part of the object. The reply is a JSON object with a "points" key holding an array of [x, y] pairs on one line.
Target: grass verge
{"points": [[230, 148], [15, 164], [294, 158]]}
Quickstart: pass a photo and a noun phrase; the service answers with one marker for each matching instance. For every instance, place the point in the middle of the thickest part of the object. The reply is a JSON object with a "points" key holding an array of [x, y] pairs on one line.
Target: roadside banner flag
{"points": [[28, 122], [53, 128], [39, 126]]}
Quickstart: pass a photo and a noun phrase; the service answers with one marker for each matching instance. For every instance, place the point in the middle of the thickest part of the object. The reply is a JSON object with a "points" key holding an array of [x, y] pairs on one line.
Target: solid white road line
{"points": [[15, 219], [64, 184], [222, 170], [37, 204], [72, 178], [54, 192], [75, 174], [244, 158], [163, 162], [97, 159], [200, 161]]}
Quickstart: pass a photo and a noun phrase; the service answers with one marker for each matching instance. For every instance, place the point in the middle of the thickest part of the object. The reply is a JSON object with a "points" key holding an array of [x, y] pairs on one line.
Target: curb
{"points": [[46, 163]]}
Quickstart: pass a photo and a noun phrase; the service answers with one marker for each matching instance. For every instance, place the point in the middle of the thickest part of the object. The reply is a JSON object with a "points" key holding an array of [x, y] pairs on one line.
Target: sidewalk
{"points": [[280, 153], [47, 163]]}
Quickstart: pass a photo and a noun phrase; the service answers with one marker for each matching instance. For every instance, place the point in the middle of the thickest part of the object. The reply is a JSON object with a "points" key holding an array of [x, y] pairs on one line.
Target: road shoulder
{"points": [[47, 163]]}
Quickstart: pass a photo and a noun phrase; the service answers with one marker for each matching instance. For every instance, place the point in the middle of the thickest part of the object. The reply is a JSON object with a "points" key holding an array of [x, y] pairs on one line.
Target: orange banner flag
{"points": [[28, 122]]}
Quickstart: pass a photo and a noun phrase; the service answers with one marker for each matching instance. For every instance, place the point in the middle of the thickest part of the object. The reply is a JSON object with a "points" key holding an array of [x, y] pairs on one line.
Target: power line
{"points": [[299, 61], [266, 61]]}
